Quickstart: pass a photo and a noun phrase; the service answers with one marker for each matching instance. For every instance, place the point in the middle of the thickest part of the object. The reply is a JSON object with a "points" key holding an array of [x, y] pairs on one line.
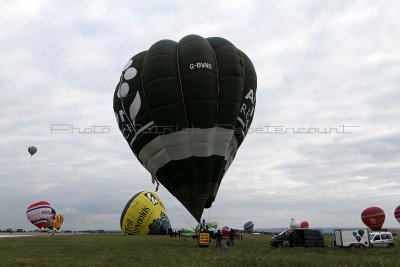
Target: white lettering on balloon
{"points": [[247, 111], [200, 65]]}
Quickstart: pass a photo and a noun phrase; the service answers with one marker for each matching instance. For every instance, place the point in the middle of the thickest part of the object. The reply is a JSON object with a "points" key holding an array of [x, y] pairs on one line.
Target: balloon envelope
{"points": [[212, 225], [294, 223], [32, 150], [38, 213], [188, 232], [144, 214], [397, 214], [225, 231], [304, 224], [50, 223], [248, 226], [185, 108], [373, 217], [58, 220], [225, 228]]}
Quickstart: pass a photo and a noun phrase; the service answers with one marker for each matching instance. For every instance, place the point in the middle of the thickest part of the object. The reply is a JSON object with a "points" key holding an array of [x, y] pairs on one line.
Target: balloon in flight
{"points": [[144, 214], [373, 217], [185, 108], [32, 150]]}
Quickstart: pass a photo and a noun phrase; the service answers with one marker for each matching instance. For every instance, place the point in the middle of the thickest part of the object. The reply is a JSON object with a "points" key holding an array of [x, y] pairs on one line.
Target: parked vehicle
{"points": [[381, 239], [299, 238], [353, 238]]}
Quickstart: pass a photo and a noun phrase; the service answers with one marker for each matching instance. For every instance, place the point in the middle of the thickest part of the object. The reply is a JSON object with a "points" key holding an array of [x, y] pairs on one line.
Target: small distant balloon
{"points": [[373, 217], [304, 224], [212, 225], [32, 150], [248, 227], [397, 214], [294, 223]]}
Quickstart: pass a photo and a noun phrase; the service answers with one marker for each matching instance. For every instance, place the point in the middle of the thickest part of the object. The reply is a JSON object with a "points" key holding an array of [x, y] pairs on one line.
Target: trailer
{"points": [[352, 237]]}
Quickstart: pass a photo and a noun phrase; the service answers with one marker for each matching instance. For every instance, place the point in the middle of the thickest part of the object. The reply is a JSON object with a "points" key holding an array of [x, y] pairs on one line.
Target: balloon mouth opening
{"points": [[209, 202]]}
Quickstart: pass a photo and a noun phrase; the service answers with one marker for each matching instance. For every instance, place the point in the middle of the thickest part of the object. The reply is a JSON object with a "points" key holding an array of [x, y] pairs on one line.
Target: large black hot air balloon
{"points": [[184, 109]]}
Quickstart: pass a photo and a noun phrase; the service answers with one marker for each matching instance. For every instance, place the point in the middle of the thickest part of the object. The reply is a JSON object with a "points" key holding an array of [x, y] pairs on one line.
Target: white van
{"points": [[381, 239]]}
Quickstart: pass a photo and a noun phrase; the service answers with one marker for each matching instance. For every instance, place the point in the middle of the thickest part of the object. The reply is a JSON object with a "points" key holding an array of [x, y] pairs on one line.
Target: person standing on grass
{"points": [[231, 236], [203, 225], [218, 237]]}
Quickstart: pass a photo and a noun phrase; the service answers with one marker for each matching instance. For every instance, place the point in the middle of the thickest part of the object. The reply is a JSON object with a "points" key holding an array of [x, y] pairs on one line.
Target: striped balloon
{"points": [[38, 213], [397, 214], [248, 227], [373, 217]]}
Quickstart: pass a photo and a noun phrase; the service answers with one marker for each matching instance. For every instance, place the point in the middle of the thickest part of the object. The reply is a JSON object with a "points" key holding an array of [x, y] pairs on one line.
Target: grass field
{"points": [[119, 250]]}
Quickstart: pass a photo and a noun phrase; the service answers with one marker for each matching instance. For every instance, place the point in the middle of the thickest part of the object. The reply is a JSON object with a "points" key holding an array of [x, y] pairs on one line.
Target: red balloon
{"points": [[225, 232], [373, 217], [397, 214], [304, 224]]}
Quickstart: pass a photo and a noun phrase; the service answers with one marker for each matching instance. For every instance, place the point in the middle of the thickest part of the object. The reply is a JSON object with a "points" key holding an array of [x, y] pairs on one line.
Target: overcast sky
{"points": [[322, 66]]}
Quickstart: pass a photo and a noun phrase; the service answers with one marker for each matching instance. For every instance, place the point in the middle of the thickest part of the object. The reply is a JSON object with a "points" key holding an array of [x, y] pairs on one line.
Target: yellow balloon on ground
{"points": [[144, 214], [58, 221]]}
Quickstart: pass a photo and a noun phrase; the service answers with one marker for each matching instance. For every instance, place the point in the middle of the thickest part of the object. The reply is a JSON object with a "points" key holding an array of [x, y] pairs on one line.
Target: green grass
{"points": [[119, 250]]}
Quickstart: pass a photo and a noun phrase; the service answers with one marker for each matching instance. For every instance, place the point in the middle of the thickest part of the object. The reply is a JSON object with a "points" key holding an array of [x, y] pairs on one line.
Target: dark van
{"points": [[299, 238]]}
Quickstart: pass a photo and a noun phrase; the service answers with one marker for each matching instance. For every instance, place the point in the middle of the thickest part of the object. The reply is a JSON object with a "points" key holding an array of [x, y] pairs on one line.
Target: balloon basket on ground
{"points": [[203, 240]]}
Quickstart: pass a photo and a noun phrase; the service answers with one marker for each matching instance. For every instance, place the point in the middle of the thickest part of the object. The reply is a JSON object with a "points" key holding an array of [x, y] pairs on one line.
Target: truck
{"points": [[352, 238], [298, 237]]}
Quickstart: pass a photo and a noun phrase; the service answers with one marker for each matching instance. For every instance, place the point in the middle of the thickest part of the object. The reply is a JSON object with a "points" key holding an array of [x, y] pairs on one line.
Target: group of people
{"points": [[218, 235], [229, 242], [173, 233]]}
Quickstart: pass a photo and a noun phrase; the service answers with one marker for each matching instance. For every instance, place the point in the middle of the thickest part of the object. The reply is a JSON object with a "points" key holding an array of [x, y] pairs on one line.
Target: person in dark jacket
{"points": [[218, 237], [231, 236]]}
